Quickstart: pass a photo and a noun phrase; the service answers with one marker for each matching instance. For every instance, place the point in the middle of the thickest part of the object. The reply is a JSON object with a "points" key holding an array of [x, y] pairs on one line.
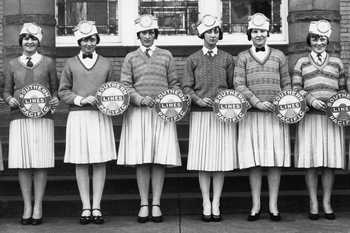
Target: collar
{"points": [[94, 55], [253, 48], [152, 48], [35, 58], [205, 50]]}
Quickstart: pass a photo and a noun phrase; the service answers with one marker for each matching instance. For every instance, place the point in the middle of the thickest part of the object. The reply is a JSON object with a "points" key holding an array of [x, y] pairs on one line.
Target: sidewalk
{"points": [[291, 223]]}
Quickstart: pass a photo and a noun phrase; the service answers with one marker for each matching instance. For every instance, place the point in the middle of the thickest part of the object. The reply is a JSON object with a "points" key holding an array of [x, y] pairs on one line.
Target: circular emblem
{"points": [[112, 98], [259, 20], [172, 105], [230, 106], [85, 28], [33, 29], [34, 100], [208, 21], [323, 26], [290, 106], [146, 21], [338, 108]]}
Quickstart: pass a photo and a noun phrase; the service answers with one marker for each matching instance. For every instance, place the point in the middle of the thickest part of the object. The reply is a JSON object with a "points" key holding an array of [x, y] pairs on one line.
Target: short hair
{"points": [[22, 36], [220, 33], [249, 34], [97, 39], [156, 33], [308, 38]]}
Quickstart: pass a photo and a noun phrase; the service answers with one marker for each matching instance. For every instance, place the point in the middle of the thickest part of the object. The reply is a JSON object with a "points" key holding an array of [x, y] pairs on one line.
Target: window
{"points": [[177, 19]]}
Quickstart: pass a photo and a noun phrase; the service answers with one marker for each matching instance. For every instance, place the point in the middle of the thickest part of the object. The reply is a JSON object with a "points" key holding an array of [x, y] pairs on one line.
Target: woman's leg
{"points": [[83, 181], [327, 184], [143, 178], [98, 182], [311, 183], [273, 177], [158, 174], [218, 183], [25, 182], [40, 180], [255, 187], [204, 184]]}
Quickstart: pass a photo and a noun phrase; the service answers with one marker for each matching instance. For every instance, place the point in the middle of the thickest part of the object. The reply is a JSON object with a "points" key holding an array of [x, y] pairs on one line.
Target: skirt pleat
{"points": [[319, 143], [212, 143], [89, 138], [263, 141], [146, 138], [31, 143]]}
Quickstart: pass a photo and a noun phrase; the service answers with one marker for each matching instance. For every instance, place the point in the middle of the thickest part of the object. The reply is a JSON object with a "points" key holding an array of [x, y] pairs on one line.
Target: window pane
{"points": [[103, 12], [174, 17], [235, 14]]}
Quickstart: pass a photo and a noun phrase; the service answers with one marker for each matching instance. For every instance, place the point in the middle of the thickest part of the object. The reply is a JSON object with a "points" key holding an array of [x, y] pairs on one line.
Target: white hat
{"points": [[32, 29], [321, 27], [146, 22], [258, 21], [84, 29], [208, 22]]}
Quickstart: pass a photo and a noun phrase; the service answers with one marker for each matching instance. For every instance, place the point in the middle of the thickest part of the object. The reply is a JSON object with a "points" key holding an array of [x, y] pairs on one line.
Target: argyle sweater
{"points": [[261, 81], [318, 82], [148, 76], [205, 76]]}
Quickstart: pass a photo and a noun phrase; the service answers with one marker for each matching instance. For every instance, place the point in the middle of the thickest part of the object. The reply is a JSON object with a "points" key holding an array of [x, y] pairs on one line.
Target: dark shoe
{"points": [[216, 218], [330, 216], [97, 219], [143, 219], [275, 217], [206, 218], [37, 221], [26, 221], [314, 216], [85, 219], [157, 219], [253, 217]]}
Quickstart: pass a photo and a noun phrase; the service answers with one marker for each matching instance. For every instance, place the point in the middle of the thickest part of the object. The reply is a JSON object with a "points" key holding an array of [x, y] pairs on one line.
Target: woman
{"points": [[148, 142], [212, 143], [320, 143], [31, 141], [89, 136], [261, 73]]}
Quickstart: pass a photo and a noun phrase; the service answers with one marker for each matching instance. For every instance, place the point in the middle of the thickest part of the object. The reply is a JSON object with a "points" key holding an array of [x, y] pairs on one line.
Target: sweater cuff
{"points": [[77, 100], [254, 101], [310, 99], [137, 99]]}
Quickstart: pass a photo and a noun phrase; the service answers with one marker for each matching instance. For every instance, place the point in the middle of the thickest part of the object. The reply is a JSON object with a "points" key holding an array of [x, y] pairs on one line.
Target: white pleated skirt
{"points": [[89, 138], [147, 139], [212, 143], [31, 143], [319, 143], [263, 141]]}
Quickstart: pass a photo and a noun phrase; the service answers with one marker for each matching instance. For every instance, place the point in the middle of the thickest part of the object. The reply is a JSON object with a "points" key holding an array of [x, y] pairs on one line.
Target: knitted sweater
{"points": [[18, 75], [205, 75], [261, 81], [77, 80], [318, 82], [148, 76]]}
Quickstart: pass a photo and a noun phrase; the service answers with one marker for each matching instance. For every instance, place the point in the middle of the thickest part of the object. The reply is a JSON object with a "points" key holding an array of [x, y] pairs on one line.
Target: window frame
{"points": [[124, 38]]}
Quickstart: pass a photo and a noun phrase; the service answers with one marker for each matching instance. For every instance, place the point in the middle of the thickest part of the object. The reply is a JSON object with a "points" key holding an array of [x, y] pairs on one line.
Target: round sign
{"points": [[338, 108], [172, 104], [290, 106], [230, 106], [112, 98], [34, 100]]}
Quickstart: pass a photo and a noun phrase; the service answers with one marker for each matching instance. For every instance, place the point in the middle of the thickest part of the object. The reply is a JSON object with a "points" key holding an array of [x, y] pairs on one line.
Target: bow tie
{"points": [[87, 55], [262, 49]]}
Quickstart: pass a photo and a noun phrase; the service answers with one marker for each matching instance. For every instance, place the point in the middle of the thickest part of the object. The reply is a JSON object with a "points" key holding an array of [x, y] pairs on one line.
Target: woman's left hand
{"points": [[54, 102], [208, 101]]}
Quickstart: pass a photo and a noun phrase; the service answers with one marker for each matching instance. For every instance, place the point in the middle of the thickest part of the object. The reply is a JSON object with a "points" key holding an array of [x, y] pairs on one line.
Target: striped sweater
{"points": [[261, 81], [318, 82], [148, 76], [205, 75]]}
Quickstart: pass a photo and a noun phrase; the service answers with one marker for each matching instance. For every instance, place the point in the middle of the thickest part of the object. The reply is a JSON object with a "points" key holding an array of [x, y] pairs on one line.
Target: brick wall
{"points": [[345, 32]]}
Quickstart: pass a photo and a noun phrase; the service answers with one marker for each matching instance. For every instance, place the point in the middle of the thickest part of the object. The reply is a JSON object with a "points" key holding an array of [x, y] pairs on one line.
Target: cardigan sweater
{"points": [[148, 76], [318, 81], [18, 75], [77, 80], [205, 76], [261, 81]]}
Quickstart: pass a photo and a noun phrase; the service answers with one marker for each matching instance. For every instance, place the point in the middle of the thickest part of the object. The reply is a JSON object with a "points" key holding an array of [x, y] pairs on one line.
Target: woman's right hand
{"points": [[147, 101], [319, 105], [13, 102], [89, 100], [265, 106], [205, 102]]}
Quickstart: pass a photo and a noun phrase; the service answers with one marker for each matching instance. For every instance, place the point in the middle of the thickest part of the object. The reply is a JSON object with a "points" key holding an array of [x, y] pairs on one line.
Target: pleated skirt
{"points": [[89, 138], [319, 143], [263, 141], [147, 139], [212, 143], [31, 143]]}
